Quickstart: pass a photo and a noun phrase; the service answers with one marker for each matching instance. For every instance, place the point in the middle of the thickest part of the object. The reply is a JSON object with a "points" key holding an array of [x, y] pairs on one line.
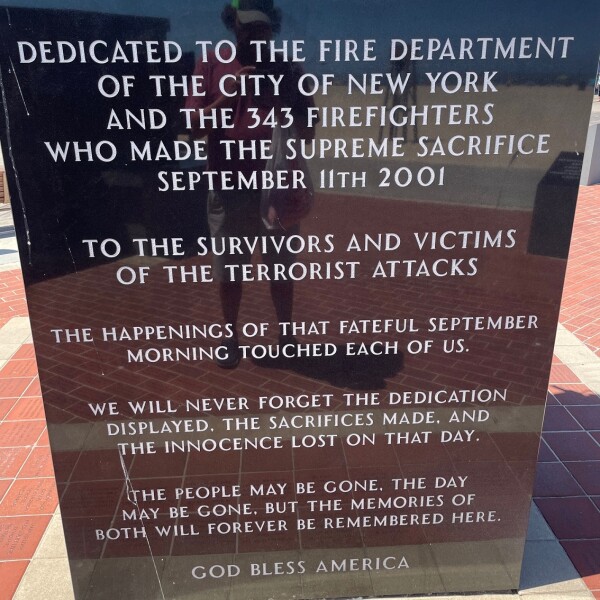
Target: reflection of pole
{"points": [[406, 97]]}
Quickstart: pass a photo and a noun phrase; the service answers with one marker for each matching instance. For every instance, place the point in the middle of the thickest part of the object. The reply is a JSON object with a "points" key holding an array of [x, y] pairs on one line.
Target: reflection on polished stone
{"points": [[381, 439]]}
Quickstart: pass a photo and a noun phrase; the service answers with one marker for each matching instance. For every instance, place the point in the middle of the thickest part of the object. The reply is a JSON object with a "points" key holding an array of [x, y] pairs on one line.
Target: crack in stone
{"points": [[14, 168], [19, 85], [133, 500]]}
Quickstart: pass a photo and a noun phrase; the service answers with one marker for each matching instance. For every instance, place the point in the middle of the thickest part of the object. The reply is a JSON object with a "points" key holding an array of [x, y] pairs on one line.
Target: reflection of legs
{"points": [[231, 215], [282, 294], [230, 293]]}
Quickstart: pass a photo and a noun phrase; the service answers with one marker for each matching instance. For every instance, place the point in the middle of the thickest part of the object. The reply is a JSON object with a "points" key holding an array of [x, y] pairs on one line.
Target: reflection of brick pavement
{"points": [[567, 487], [74, 374]]}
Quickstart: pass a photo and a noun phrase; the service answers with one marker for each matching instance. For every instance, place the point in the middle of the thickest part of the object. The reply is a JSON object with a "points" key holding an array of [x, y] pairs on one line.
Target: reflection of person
{"points": [[237, 213]]}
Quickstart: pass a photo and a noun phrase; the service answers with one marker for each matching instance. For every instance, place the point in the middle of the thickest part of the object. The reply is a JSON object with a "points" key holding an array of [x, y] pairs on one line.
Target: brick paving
{"points": [[12, 296], [567, 488], [27, 490], [580, 310]]}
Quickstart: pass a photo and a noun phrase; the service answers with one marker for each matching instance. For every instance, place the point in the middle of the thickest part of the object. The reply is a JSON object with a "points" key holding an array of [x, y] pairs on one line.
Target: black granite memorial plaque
{"points": [[292, 285]]}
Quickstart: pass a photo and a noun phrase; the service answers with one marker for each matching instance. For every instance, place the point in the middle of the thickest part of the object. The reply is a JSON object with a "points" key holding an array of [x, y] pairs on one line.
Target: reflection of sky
{"points": [[359, 19]]}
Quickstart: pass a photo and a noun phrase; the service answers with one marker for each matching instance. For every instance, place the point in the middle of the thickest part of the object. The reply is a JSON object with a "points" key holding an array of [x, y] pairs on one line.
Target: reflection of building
{"points": [[68, 201], [554, 208]]}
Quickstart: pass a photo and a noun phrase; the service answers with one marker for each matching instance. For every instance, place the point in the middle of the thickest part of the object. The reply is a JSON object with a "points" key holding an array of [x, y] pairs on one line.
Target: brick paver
{"points": [[567, 488], [12, 296]]}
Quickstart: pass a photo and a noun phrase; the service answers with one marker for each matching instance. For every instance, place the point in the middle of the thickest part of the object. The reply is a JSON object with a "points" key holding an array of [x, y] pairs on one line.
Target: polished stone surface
{"points": [[464, 487]]}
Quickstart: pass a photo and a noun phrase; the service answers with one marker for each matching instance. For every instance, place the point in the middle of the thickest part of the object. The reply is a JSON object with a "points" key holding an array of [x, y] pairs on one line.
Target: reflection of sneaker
{"points": [[234, 355], [284, 340]]}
